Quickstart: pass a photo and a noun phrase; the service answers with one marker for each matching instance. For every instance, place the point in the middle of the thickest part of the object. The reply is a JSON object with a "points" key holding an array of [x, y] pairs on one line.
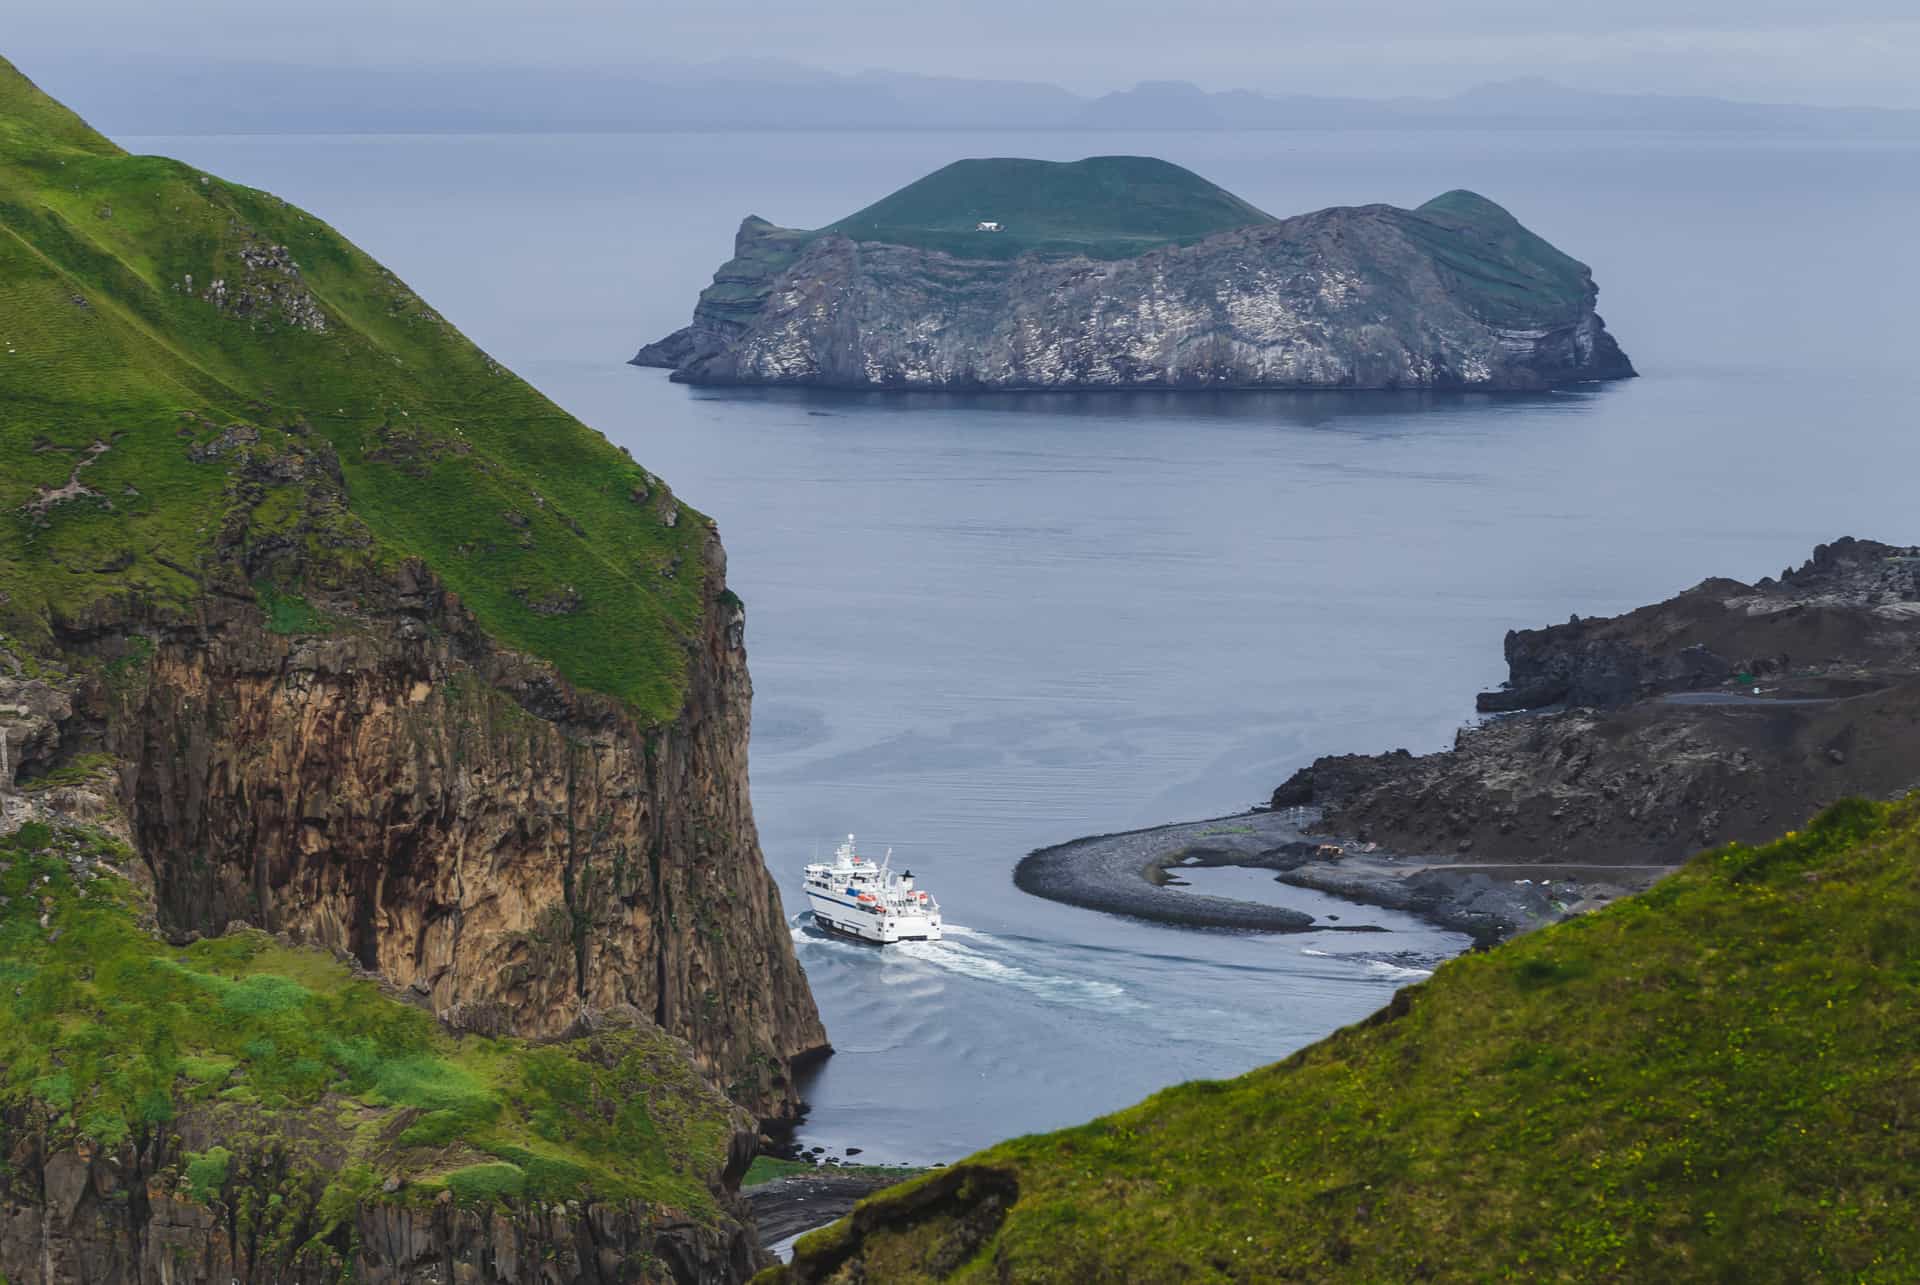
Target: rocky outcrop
{"points": [[119, 1216], [1666, 748], [1456, 294], [1852, 604]]}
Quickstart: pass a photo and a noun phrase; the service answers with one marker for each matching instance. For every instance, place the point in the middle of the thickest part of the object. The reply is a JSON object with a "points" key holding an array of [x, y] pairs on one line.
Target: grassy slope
{"points": [[1717, 1080], [1512, 276], [109, 1034], [446, 456], [1108, 207]]}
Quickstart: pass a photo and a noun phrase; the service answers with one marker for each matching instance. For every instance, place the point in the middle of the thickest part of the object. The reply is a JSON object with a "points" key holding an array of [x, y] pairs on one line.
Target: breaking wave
{"points": [[1402, 967]]}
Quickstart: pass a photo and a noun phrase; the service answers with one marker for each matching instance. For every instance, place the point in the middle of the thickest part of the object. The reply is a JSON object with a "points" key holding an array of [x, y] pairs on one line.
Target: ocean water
{"points": [[982, 625]]}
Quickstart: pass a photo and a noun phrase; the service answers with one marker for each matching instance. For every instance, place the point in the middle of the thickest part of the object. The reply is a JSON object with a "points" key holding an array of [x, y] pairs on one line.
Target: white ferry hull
{"points": [[848, 918], [869, 902]]}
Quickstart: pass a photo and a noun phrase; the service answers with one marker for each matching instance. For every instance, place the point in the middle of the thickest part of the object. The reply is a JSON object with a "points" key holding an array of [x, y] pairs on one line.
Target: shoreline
{"points": [[1129, 873], [784, 1209]]}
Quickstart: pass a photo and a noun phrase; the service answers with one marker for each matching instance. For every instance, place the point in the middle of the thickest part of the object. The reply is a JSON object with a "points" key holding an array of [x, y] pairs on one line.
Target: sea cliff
{"points": [[354, 647]]}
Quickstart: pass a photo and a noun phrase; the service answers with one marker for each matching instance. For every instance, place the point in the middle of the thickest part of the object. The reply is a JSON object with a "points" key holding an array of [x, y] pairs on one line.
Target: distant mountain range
{"points": [[174, 96]]}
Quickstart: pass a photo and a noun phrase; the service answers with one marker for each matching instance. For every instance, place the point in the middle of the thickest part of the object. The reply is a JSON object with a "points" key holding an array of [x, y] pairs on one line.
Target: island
{"points": [[1131, 272]]}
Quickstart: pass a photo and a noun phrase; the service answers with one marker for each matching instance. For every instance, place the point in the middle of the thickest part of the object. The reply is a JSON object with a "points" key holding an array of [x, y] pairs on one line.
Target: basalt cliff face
{"points": [[1453, 295], [356, 641]]}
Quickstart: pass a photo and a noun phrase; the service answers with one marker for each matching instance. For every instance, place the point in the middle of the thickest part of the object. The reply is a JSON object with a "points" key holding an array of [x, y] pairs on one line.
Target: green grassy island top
{"points": [[1105, 207]]}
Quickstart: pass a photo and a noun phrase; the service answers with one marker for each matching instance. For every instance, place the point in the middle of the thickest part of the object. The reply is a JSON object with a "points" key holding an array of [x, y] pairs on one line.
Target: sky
{"points": [[1835, 53]]}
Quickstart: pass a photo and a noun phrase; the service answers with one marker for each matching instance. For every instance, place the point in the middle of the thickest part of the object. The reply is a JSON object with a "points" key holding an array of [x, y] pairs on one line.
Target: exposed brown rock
{"points": [[460, 819]]}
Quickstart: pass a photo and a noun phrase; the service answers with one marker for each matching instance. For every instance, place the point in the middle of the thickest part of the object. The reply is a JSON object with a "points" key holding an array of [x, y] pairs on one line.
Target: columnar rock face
{"points": [[461, 820], [115, 1216], [1453, 295]]}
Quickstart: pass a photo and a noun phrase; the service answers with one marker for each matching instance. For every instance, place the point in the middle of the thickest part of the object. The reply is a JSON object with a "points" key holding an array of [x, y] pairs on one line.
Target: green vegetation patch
{"points": [[1504, 273], [1716, 1080], [110, 1036], [1106, 207], [200, 377]]}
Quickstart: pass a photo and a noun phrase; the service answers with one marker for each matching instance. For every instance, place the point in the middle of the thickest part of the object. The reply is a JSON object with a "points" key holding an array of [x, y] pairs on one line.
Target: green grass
{"points": [[207, 1172], [1508, 275], [1717, 1080], [110, 1037], [76, 771], [1107, 207], [218, 444], [770, 1168]]}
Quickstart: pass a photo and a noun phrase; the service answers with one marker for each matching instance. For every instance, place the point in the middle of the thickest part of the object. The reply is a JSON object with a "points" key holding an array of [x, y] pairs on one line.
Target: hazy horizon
{"points": [[1858, 53], [150, 95]]}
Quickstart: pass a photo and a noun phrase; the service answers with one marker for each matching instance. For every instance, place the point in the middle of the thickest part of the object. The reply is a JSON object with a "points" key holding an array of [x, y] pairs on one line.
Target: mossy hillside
{"points": [[1507, 274], [1716, 1080], [311, 1080], [169, 340], [1106, 207]]}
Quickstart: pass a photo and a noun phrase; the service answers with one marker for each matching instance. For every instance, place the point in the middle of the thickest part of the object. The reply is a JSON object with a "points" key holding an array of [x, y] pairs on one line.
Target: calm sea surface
{"points": [[979, 626]]}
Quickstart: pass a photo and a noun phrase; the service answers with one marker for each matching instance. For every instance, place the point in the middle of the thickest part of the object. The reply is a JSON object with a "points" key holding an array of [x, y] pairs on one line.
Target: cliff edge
{"points": [[380, 650]]}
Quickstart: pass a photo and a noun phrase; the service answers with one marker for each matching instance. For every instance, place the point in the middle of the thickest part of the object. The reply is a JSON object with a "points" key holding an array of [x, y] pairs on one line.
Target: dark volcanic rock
{"points": [[668, 352], [1455, 294], [1664, 752], [1843, 607]]}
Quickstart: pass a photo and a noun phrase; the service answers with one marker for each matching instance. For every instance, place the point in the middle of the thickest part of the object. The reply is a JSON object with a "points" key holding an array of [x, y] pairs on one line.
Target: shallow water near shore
{"points": [[980, 626]]}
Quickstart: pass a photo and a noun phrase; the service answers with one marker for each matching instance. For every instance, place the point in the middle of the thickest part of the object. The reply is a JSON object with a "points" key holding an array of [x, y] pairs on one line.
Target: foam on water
{"points": [[973, 962], [954, 957], [1396, 972], [1375, 967]]}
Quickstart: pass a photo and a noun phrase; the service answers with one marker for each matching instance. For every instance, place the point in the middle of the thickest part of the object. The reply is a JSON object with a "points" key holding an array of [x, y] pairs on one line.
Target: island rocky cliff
{"points": [[1453, 295]]}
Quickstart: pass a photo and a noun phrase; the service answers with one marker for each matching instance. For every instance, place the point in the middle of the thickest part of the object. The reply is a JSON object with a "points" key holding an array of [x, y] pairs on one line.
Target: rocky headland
{"points": [[382, 893], [1729, 712], [1129, 272]]}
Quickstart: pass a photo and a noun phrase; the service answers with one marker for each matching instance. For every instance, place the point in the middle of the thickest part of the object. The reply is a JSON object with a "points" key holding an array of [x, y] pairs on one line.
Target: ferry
{"points": [[873, 902]]}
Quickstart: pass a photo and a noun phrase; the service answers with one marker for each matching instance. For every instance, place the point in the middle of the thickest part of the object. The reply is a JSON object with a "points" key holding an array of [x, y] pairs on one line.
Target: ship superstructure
{"points": [[870, 900]]}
